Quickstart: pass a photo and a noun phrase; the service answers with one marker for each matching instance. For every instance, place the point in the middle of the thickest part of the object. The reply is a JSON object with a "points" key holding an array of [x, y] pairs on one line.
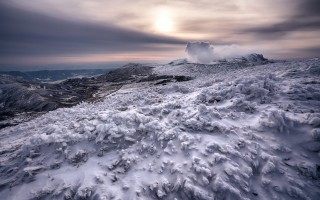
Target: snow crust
{"points": [[233, 132]]}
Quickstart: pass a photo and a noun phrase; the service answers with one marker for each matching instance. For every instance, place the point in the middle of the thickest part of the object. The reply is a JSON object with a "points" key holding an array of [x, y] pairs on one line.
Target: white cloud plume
{"points": [[205, 52]]}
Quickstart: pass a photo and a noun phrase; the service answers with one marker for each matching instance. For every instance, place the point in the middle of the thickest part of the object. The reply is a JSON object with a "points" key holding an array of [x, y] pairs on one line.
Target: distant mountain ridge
{"points": [[55, 75], [252, 58]]}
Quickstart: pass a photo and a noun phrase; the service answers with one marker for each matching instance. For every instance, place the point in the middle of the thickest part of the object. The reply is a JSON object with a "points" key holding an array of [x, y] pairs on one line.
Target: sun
{"points": [[163, 22]]}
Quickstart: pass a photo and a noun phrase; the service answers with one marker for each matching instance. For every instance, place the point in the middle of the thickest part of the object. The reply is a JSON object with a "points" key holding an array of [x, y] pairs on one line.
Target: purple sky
{"points": [[37, 32]]}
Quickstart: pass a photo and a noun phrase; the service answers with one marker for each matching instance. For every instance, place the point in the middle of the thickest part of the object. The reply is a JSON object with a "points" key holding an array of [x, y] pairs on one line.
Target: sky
{"points": [[57, 32]]}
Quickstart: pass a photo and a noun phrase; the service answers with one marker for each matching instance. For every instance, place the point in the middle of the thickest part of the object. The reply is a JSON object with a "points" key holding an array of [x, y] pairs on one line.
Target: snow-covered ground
{"points": [[233, 132]]}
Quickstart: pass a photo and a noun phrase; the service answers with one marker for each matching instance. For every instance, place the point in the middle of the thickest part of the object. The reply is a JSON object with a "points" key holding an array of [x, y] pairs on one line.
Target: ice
{"points": [[233, 132]]}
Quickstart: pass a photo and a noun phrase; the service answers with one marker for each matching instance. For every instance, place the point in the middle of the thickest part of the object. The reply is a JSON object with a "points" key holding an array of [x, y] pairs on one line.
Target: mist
{"points": [[205, 52]]}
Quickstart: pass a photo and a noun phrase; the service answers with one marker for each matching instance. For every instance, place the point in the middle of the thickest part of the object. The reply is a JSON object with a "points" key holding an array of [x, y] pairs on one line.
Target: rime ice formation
{"points": [[235, 131]]}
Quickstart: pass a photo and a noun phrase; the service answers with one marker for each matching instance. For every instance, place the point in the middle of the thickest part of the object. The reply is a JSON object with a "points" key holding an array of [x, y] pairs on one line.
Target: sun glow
{"points": [[163, 22]]}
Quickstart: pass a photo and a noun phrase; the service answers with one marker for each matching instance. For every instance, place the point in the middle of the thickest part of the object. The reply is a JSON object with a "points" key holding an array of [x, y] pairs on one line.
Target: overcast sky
{"points": [[37, 32]]}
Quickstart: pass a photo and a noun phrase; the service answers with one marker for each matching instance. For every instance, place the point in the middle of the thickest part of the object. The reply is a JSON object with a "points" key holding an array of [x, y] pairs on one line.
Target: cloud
{"points": [[305, 17], [311, 52], [205, 52], [71, 28], [308, 8], [25, 33], [201, 52]]}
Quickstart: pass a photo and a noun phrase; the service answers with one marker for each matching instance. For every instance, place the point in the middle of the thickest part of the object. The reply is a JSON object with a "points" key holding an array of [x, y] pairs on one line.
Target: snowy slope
{"points": [[236, 131]]}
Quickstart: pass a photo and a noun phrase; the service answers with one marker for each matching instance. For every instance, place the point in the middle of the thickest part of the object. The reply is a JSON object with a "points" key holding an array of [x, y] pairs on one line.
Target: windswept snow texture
{"points": [[233, 132]]}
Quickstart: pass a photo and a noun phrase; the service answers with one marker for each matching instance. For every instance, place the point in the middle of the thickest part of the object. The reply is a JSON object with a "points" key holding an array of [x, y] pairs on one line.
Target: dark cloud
{"points": [[306, 17], [311, 52], [308, 8], [281, 29], [24, 33]]}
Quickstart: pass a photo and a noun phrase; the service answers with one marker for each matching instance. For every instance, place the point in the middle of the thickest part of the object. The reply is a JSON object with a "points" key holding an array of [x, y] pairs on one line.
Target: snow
{"points": [[233, 132]]}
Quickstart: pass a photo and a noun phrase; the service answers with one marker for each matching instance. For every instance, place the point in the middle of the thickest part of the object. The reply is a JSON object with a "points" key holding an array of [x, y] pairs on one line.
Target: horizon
{"points": [[46, 34]]}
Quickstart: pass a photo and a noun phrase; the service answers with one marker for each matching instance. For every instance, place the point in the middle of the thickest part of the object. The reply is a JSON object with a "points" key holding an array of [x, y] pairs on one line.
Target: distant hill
{"points": [[47, 76]]}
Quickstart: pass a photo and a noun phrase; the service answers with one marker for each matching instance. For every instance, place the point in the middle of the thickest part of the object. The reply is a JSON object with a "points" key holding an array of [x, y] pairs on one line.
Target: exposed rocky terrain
{"points": [[22, 100]]}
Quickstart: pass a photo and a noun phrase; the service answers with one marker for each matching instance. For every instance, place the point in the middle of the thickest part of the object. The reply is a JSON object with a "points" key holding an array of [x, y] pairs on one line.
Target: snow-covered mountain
{"points": [[232, 130]]}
